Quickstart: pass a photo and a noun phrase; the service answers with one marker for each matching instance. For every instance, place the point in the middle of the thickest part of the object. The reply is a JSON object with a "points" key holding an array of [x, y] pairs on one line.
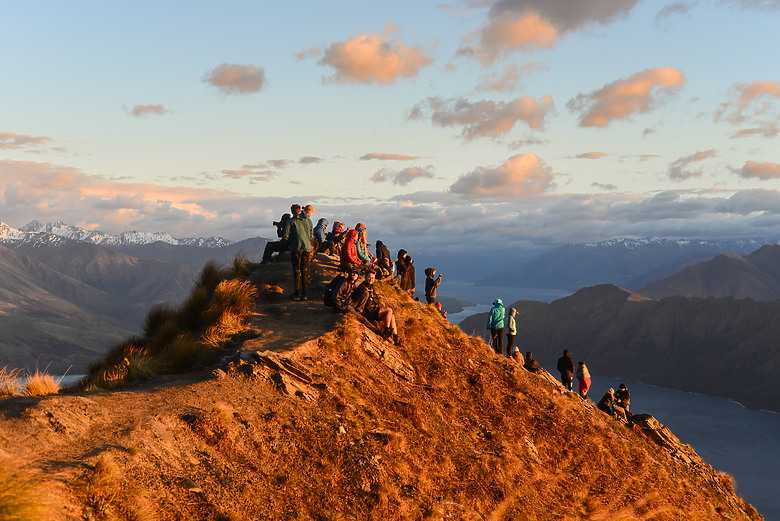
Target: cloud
{"points": [[673, 9], [484, 118], [402, 177], [308, 160], [504, 82], [232, 79], [253, 174], [602, 186], [641, 93], [525, 25], [374, 59], [140, 111], [387, 157], [752, 103], [678, 170], [590, 155], [518, 177], [763, 171], [10, 141], [767, 130]]}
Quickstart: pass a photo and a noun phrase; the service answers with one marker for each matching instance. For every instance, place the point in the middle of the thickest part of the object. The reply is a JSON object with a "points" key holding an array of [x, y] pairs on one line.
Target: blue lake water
{"points": [[742, 442]]}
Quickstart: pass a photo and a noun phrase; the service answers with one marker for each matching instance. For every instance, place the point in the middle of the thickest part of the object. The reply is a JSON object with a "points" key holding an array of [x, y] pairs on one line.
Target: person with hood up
{"points": [[349, 255], [431, 283], [383, 260], [565, 366], [495, 323], [318, 241], [623, 397], [511, 331], [583, 379], [404, 268], [530, 364]]}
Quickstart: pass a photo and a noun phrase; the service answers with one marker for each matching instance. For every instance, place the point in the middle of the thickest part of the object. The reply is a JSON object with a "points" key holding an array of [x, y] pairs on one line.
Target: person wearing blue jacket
{"points": [[495, 324]]}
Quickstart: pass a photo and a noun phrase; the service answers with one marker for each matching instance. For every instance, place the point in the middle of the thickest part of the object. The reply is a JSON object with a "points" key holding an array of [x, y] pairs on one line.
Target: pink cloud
{"points": [[763, 171], [9, 140], [518, 177], [750, 102], [641, 93], [484, 118], [524, 25], [591, 155], [387, 157], [139, 111], [235, 79], [373, 59]]}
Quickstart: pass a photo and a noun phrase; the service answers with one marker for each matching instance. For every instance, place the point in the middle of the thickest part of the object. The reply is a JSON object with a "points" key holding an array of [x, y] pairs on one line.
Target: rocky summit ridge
{"points": [[312, 415]]}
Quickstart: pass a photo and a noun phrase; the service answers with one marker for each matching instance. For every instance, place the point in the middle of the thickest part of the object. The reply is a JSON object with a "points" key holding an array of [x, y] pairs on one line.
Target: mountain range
{"points": [[628, 263], [67, 294]]}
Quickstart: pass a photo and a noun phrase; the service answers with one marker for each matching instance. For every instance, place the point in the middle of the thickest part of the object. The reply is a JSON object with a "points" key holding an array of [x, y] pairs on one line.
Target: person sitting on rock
{"points": [[605, 404], [361, 244], [623, 398], [319, 237], [281, 245], [366, 302], [348, 255], [517, 356], [383, 261], [531, 364], [335, 238], [341, 291]]}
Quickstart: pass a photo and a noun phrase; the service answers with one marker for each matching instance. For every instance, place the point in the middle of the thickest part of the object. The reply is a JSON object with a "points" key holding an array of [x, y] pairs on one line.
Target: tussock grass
{"points": [[21, 498], [10, 382], [108, 495], [184, 339], [40, 384]]}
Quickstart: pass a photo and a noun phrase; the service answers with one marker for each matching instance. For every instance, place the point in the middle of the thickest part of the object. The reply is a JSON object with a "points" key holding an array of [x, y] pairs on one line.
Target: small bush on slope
{"points": [[21, 499], [184, 339]]}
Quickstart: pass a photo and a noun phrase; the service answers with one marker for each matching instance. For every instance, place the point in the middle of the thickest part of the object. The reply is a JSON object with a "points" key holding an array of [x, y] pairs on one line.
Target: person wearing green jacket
{"points": [[298, 233], [495, 324]]}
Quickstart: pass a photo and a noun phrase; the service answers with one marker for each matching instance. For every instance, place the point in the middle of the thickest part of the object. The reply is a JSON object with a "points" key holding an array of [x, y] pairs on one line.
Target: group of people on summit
{"points": [[346, 293]]}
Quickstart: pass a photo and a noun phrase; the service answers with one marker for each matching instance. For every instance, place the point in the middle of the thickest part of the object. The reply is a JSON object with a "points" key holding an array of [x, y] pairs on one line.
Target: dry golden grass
{"points": [[40, 384], [10, 382], [184, 339], [21, 498], [108, 495]]}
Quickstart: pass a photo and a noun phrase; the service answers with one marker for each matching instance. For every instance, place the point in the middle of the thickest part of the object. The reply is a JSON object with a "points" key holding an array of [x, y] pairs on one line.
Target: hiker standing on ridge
{"points": [[511, 331], [565, 366], [299, 233], [495, 323], [404, 267], [583, 379], [431, 283]]}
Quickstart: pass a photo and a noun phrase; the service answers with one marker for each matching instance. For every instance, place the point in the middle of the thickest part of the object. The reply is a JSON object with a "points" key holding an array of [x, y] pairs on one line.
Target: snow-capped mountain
{"points": [[50, 233]]}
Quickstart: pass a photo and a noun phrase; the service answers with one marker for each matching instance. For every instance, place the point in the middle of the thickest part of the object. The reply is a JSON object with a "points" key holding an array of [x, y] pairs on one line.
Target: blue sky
{"points": [[441, 126]]}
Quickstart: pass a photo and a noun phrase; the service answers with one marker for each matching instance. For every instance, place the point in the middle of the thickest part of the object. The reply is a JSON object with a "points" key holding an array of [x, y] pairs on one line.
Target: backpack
{"points": [[330, 290]]}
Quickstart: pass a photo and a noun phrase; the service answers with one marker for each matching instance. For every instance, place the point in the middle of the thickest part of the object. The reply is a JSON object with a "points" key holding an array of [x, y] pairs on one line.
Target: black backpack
{"points": [[330, 290]]}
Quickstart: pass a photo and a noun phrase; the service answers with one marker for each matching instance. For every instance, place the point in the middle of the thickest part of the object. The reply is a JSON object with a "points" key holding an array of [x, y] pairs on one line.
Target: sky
{"points": [[484, 127]]}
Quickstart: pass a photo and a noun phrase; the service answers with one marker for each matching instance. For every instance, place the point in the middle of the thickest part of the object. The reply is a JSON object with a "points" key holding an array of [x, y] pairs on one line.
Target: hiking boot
{"points": [[386, 334], [396, 339], [266, 261], [304, 297], [295, 297]]}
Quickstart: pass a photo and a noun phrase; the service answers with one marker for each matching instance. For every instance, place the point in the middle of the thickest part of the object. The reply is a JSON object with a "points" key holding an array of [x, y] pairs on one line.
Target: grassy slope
{"points": [[466, 435]]}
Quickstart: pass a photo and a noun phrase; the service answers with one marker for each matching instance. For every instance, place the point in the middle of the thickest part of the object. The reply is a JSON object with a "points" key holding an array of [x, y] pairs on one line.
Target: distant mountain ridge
{"points": [[755, 276], [629, 263], [36, 230]]}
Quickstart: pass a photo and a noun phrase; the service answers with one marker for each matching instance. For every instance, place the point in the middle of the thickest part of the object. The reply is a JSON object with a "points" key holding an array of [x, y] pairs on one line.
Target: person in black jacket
{"points": [[431, 283], [342, 292], [623, 397], [530, 364], [566, 368]]}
